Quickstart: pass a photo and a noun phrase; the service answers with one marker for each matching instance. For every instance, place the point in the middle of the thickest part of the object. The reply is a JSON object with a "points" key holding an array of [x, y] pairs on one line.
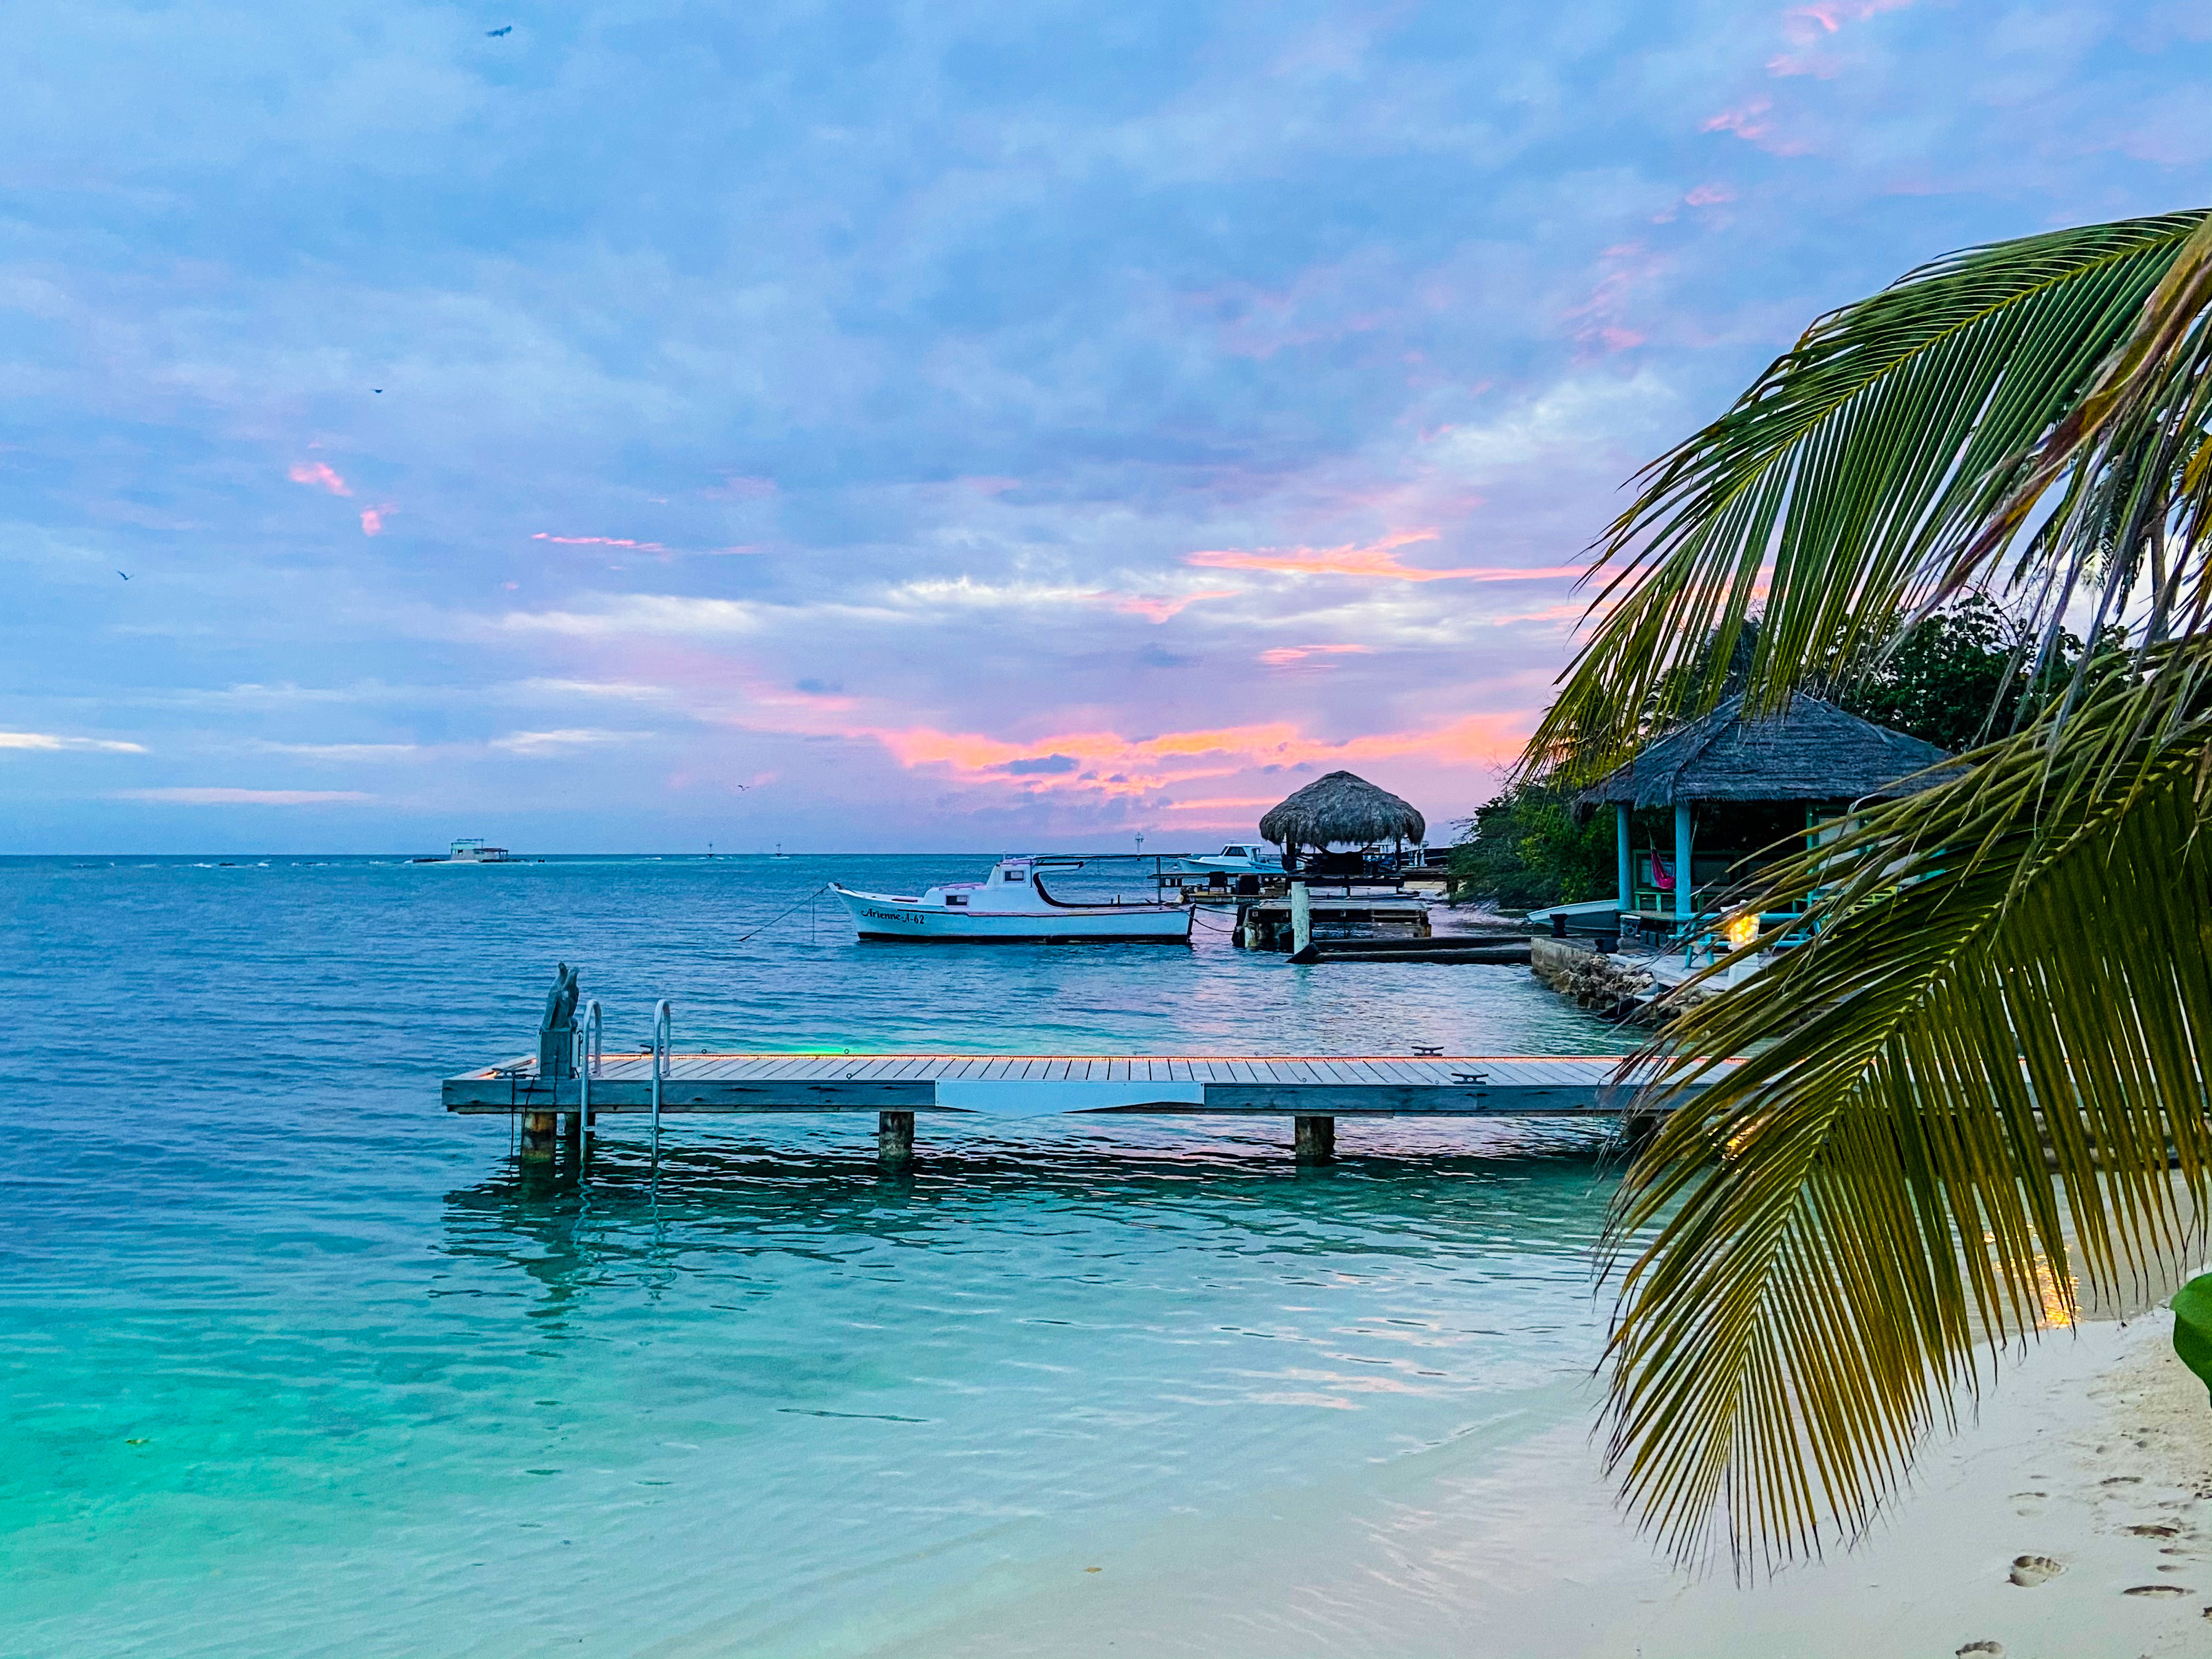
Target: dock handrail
{"points": [[664, 1033], [588, 1061]]}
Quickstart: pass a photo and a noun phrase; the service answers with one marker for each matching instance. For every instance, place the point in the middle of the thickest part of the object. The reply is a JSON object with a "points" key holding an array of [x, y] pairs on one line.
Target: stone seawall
{"points": [[1574, 968]]}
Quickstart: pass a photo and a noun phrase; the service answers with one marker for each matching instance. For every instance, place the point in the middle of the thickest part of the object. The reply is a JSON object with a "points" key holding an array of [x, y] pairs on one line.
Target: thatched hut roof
{"points": [[1810, 750], [1342, 807]]}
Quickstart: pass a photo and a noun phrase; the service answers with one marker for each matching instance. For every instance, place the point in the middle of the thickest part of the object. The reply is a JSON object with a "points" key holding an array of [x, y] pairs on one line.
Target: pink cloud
{"points": [[320, 475], [1376, 559], [1109, 764], [1820, 68], [1283, 655], [371, 519], [1160, 607], [1830, 16], [1748, 121], [1708, 195], [740, 489], [603, 541]]}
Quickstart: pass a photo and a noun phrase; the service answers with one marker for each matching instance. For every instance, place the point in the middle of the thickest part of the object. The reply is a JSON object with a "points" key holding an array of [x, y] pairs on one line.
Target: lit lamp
{"points": [[1742, 930]]}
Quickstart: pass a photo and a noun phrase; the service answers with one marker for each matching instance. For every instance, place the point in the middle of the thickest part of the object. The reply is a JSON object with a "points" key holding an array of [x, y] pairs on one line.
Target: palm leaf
{"points": [[2192, 1327], [1985, 1082], [1894, 454]]}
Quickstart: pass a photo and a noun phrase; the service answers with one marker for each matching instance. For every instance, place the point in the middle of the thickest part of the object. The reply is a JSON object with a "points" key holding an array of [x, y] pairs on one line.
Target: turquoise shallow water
{"points": [[292, 1363]]}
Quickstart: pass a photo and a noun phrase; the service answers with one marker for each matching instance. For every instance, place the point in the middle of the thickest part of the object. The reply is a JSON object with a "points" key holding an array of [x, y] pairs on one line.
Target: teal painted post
{"points": [[1684, 907], [1621, 849]]}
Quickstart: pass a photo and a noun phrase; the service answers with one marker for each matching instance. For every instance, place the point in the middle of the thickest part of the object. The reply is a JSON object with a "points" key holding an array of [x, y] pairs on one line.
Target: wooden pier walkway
{"points": [[1315, 1089]]}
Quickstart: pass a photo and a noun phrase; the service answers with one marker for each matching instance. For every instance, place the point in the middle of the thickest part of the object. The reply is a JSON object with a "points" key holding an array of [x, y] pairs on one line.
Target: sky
{"points": [[927, 427]]}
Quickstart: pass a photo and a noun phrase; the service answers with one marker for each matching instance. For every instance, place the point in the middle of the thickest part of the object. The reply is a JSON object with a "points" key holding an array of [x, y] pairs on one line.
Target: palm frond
{"points": [[1901, 449], [1984, 1082]]}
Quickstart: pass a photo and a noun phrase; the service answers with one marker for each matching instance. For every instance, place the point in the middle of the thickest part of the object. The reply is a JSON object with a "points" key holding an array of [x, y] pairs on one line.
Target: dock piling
{"points": [[895, 1140], [1313, 1139], [541, 1132]]}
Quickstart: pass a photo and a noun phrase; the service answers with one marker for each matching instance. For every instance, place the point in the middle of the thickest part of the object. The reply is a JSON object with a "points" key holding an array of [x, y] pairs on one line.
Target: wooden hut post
{"points": [[1684, 907], [1622, 861]]}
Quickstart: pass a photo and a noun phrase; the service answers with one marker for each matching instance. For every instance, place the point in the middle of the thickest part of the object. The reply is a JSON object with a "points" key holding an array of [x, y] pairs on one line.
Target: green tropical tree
{"points": [[1981, 1094]]}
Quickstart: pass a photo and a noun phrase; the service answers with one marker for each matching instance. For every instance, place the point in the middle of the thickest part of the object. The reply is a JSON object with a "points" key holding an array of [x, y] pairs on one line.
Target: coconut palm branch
{"points": [[1901, 452], [1983, 1088]]}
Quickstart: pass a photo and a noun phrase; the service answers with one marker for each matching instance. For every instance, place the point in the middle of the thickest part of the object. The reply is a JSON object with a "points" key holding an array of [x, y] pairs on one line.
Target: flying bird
{"points": [[378, 390], [494, 34], [125, 575]]}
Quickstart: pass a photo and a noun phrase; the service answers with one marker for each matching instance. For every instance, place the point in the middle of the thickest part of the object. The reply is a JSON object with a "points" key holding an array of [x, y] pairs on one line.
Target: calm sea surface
{"points": [[292, 1363]]}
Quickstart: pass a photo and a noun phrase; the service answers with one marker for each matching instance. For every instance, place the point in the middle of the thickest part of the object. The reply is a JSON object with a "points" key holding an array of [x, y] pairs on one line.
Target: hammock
{"points": [[1662, 875]]}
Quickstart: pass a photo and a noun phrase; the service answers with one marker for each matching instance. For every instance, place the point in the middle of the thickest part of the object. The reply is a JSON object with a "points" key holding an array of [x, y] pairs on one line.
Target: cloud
{"points": [[212, 797], [1163, 607], [546, 743], [320, 475], [1375, 559], [348, 751], [1042, 766], [371, 519], [1829, 16], [1108, 763], [1283, 656], [599, 541], [643, 613], [48, 740], [1748, 121]]}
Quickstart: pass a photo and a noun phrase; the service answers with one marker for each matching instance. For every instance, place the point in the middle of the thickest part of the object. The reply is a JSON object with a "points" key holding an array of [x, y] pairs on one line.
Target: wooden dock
{"points": [[1315, 1090]]}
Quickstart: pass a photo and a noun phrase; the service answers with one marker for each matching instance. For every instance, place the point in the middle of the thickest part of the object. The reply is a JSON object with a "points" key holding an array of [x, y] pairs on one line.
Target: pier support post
{"points": [[1301, 917], [1315, 1139], [1638, 1129], [541, 1132], [895, 1140]]}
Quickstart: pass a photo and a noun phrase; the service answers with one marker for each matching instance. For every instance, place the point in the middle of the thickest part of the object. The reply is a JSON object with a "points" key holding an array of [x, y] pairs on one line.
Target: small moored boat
{"points": [[1237, 859], [1011, 905]]}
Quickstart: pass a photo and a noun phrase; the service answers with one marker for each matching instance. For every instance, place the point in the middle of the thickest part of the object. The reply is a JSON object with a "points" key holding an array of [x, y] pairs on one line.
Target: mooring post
{"points": [[541, 1134], [1315, 1139], [1301, 917], [895, 1140]]}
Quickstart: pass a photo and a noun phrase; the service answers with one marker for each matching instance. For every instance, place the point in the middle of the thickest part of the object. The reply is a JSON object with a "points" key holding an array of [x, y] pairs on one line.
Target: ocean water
{"points": [[292, 1363]]}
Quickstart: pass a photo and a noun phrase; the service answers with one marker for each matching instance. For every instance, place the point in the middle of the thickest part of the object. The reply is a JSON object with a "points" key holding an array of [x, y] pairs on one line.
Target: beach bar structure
{"points": [[1733, 785], [1340, 809]]}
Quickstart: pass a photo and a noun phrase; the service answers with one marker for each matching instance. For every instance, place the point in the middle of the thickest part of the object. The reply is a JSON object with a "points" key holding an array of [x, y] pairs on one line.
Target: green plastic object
{"points": [[2193, 1328]]}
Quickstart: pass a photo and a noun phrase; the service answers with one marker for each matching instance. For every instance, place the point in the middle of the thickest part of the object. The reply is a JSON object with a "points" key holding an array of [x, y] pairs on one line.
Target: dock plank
{"points": [[1345, 1085]]}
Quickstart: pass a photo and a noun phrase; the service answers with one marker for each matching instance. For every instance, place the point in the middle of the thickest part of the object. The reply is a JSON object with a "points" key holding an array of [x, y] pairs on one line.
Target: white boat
{"points": [[470, 849], [1010, 905], [1244, 859]]}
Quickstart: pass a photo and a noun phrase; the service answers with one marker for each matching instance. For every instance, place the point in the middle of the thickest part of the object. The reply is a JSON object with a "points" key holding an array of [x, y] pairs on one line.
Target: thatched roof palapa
{"points": [[1810, 750], [1342, 807]]}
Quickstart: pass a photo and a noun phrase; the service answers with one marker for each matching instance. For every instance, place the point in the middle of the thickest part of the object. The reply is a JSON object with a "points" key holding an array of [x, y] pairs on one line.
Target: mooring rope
{"points": [[808, 898]]}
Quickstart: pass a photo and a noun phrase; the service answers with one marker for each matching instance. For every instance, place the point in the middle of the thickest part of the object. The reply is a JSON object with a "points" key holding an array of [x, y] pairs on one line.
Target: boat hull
{"points": [[885, 917]]}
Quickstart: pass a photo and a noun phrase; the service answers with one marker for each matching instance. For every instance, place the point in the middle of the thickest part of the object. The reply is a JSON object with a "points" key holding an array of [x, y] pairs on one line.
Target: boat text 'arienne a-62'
{"points": [[1010, 905]]}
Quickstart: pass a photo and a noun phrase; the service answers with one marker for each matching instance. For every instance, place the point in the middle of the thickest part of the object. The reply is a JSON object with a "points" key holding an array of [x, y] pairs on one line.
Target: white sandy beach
{"points": [[2094, 1452]]}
